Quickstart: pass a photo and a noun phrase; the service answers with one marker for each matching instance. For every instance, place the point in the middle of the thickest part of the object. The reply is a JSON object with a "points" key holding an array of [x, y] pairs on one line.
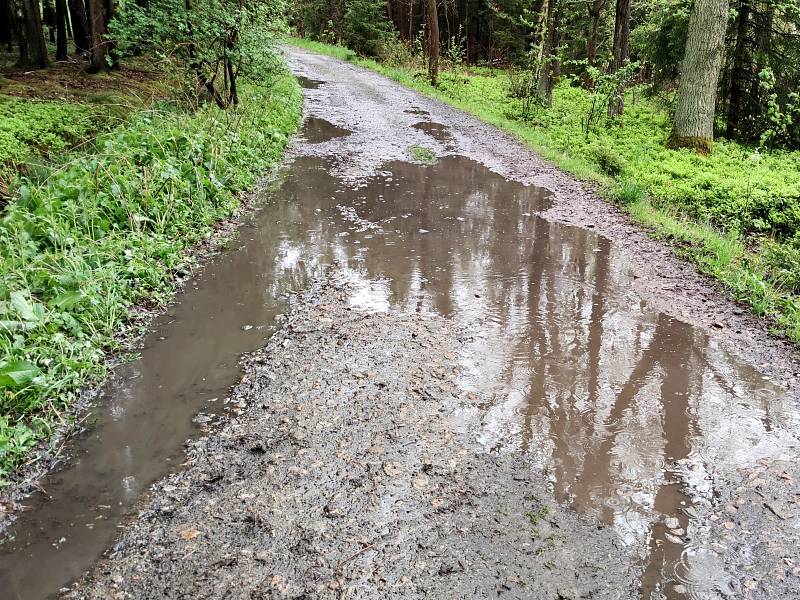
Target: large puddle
{"points": [[628, 410]]}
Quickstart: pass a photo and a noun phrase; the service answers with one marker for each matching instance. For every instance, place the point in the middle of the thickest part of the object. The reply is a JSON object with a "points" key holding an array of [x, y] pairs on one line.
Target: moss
{"points": [[701, 145]]}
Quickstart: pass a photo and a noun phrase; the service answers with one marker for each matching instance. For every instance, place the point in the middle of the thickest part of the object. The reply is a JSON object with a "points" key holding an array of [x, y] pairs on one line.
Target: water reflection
{"points": [[627, 409]]}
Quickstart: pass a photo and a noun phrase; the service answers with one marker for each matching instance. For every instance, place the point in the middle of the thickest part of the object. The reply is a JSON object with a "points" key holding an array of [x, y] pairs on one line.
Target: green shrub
{"points": [[28, 128], [609, 161]]}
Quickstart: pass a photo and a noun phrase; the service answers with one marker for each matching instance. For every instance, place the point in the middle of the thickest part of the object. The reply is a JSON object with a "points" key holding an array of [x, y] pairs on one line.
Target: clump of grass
{"points": [[106, 231], [535, 517], [628, 191], [423, 155]]}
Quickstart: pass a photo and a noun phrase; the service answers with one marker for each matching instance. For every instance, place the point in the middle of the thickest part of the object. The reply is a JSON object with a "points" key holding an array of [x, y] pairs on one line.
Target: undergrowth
{"points": [[736, 213], [87, 240]]}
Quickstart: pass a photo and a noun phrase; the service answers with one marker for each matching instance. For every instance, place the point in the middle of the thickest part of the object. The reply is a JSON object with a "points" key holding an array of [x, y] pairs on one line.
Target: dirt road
{"points": [[473, 401]]}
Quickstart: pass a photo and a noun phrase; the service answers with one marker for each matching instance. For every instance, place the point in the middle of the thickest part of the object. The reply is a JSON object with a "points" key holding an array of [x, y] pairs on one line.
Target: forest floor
{"points": [[44, 113], [350, 466]]}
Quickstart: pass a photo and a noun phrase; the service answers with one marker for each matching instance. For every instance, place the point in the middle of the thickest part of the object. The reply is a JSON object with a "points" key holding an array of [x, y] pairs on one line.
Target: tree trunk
{"points": [[544, 86], [432, 18], [36, 51], [98, 28], [5, 24], [738, 73], [697, 92], [80, 26], [61, 29], [595, 12], [622, 31], [49, 19]]}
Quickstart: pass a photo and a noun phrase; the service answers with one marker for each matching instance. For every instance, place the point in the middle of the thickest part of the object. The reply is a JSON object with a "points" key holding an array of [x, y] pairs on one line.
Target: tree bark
{"points": [[432, 18], [595, 12], [5, 24], [702, 62], [80, 26], [738, 74], [34, 35], [622, 32], [61, 29], [99, 50], [544, 86], [49, 19]]}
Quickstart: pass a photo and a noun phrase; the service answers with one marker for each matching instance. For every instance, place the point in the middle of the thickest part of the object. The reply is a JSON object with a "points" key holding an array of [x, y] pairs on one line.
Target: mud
{"points": [[344, 478]]}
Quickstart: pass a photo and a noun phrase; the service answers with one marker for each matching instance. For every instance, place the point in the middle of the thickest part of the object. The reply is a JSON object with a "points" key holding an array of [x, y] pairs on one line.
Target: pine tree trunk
{"points": [[622, 32], [49, 19], [61, 29], [702, 62], [544, 87], [738, 73], [595, 12], [80, 26], [34, 35], [98, 28], [5, 24], [432, 18]]}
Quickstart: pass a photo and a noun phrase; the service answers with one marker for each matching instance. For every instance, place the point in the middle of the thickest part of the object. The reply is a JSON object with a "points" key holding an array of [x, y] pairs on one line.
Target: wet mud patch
{"points": [[415, 110], [437, 131], [317, 131], [342, 478], [309, 84]]}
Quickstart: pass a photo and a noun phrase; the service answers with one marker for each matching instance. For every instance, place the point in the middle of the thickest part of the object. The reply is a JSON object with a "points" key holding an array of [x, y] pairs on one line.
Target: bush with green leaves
{"points": [[216, 41], [366, 27], [105, 231]]}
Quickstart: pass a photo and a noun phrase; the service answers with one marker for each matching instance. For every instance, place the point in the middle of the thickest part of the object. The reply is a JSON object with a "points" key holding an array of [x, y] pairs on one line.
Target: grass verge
{"points": [[85, 241], [736, 213]]}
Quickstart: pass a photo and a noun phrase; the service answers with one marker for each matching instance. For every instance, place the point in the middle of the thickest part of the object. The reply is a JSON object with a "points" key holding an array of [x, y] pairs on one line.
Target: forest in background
{"points": [[685, 112]]}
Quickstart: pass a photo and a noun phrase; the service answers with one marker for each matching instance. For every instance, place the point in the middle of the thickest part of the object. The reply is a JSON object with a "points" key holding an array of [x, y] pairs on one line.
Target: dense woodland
{"points": [[734, 64]]}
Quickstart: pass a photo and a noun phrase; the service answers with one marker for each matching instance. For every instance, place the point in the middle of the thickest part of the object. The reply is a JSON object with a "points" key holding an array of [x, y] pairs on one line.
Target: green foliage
{"points": [[217, 41], [28, 127], [366, 27], [423, 155], [782, 121], [105, 232]]}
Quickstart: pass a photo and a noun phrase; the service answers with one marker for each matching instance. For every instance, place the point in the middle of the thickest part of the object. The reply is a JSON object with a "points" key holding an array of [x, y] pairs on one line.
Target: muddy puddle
{"points": [[628, 411], [309, 84], [317, 131], [436, 130]]}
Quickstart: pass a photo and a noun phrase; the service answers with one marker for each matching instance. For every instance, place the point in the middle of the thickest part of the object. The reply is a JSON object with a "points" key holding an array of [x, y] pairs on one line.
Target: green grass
{"points": [[85, 241], [736, 213], [28, 127], [423, 155]]}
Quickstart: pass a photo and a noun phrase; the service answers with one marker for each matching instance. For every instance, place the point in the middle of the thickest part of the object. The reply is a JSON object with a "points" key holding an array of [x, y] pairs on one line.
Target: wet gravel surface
{"points": [[344, 477], [344, 472], [384, 117]]}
